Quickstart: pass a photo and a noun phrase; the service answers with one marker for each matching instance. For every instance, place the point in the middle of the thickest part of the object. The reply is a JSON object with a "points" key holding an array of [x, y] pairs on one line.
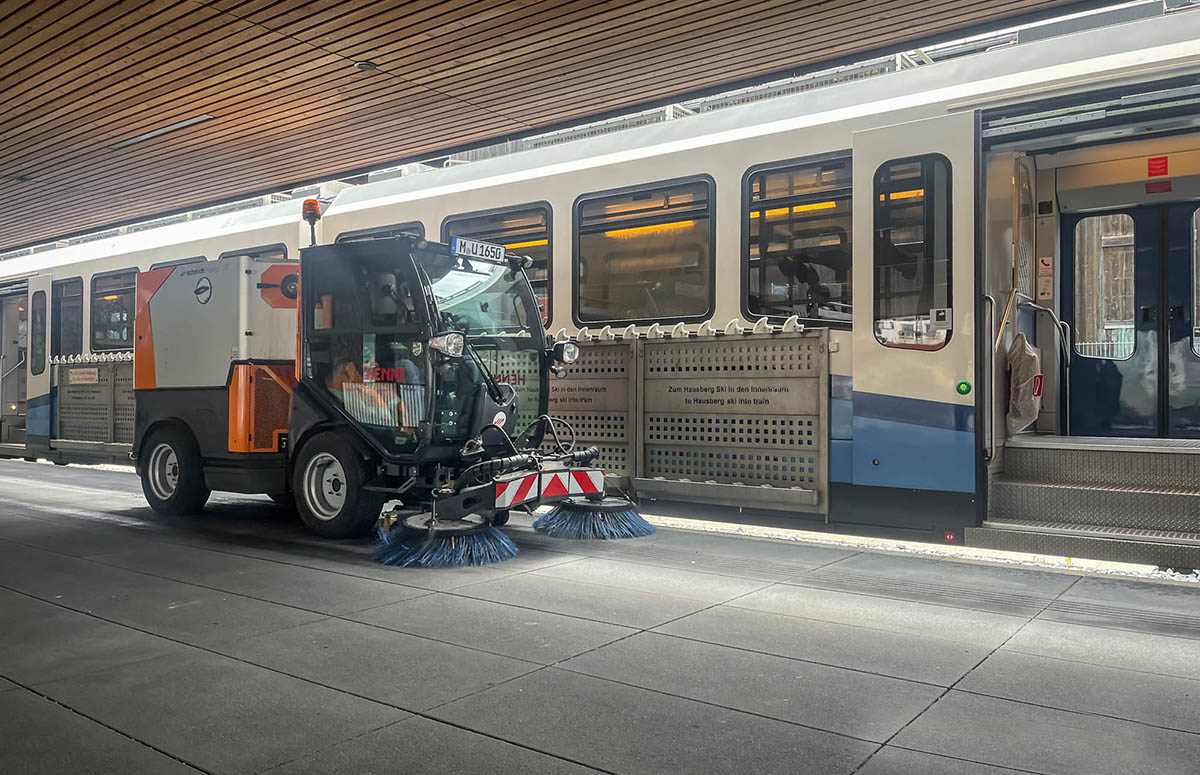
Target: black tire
{"points": [[500, 518], [327, 481], [171, 473]]}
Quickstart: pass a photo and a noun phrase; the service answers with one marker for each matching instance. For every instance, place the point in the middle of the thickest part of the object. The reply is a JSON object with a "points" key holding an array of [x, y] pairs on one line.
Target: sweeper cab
{"points": [[391, 372]]}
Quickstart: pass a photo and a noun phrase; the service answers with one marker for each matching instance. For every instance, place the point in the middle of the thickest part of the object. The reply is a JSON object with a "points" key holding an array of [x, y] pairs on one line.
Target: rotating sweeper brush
{"points": [[421, 541], [584, 518]]}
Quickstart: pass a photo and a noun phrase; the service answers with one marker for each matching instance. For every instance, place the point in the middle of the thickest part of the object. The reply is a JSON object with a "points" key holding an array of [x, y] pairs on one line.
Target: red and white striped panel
{"points": [[586, 481], [556, 483], [514, 492]]}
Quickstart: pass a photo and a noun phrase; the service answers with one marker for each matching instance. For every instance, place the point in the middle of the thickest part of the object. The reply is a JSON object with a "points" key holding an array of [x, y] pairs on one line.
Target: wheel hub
{"points": [[325, 486], [164, 471]]}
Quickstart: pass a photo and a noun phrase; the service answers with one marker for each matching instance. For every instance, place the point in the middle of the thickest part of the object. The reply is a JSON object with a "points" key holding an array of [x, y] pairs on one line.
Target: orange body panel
{"points": [[258, 406], [148, 283], [274, 296]]}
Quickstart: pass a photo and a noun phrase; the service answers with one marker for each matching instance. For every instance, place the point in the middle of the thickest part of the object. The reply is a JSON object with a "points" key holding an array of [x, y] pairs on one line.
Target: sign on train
{"points": [[476, 249]]}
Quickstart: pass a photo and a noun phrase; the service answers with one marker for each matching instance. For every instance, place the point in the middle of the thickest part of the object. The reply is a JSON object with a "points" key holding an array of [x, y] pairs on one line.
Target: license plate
{"points": [[475, 249]]}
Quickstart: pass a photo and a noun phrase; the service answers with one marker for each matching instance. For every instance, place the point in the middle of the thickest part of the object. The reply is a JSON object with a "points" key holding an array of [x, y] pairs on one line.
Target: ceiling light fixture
{"points": [[366, 67], [162, 130]]}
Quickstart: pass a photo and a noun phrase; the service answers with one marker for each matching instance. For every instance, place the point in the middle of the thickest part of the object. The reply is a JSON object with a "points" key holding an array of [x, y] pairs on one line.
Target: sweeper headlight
{"points": [[451, 343], [566, 352]]}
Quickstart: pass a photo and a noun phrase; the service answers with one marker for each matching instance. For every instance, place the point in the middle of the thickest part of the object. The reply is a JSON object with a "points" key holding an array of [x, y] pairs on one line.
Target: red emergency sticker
{"points": [[1156, 166]]}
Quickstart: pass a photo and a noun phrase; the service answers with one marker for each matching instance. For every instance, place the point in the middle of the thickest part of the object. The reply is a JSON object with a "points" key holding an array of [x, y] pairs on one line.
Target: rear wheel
{"points": [[172, 477], [328, 481]]}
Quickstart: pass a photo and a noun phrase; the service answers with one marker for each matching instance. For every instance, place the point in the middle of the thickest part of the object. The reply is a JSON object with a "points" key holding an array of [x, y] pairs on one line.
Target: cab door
{"points": [[914, 312]]}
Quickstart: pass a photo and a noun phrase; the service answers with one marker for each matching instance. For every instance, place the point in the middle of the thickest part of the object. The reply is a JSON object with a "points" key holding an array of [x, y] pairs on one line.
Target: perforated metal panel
{"points": [[123, 403], [271, 408], [597, 397], [95, 402], [745, 410]]}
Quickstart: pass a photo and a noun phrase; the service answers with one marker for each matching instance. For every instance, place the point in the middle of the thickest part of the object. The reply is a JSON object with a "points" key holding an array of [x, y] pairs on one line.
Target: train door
{"points": [[914, 314], [14, 321], [38, 409], [1131, 300]]}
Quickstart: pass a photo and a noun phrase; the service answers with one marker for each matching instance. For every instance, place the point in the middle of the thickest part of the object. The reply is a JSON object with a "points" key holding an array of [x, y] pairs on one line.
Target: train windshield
{"points": [[495, 307]]}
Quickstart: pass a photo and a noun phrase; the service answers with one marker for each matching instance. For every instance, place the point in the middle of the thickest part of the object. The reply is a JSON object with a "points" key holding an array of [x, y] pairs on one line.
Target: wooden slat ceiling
{"points": [[289, 106]]}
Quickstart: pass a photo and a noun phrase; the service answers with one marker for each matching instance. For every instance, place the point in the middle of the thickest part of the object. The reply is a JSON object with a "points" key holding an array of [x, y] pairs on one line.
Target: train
{"points": [[921, 220]]}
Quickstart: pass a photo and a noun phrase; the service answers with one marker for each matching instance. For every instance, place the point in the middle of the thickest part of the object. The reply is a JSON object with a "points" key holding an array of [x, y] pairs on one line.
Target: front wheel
{"points": [[327, 481], [172, 476]]}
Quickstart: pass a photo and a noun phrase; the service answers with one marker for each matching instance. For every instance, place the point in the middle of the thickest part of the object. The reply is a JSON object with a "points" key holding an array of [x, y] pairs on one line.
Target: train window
{"points": [[66, 318], [645, 255], [179, 262], [524, 230], [383, 232], [912, 253], [276, 252], [796, 255], [1104, 301], [112, 310], [37, 333]]}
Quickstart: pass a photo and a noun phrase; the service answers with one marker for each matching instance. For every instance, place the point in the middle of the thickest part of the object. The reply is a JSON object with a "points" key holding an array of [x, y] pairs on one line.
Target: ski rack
{"points": [[735, 416]]}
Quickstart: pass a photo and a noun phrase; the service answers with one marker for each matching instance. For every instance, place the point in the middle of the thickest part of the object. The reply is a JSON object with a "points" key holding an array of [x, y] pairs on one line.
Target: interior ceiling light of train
{"points": [[199, 105]]}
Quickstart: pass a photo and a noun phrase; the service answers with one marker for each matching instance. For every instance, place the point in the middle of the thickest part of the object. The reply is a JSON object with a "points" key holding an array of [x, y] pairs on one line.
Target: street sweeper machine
{"points": [[392, 385]]}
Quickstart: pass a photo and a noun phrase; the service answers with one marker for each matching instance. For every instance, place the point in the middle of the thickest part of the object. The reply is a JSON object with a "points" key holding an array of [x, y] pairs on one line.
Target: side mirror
{"points": [[451, 343], [566, 352]]}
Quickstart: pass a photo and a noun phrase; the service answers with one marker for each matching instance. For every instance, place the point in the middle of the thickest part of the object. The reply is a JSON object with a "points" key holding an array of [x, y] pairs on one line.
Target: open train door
{"points": [[914, 349]]}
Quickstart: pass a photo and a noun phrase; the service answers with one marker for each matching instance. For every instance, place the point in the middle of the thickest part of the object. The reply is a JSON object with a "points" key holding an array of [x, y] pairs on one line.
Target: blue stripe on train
{"points": [[913, 443], [841, 428], [38, 415]]}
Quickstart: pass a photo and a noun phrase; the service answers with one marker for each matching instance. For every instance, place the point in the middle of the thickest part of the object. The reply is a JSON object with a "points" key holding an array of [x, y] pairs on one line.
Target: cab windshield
{"points": [[494, 306]]}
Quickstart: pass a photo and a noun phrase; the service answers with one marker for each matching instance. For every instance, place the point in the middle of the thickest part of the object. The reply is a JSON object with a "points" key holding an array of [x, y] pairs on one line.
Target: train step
{"points": [[1109, 462], [1170, 549], [1173, 509]]}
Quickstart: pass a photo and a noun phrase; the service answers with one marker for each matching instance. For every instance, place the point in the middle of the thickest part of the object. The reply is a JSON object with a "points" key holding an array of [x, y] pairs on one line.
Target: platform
{"points": [[237, 643]]}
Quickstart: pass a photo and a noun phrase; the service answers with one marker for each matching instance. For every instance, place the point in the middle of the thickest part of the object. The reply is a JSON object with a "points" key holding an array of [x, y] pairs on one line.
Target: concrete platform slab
{"points": [[624, 607], [818, 696], [384, 665], [638, 577], [910, 657], [631, 730], [897, 761], [1145, 652], [980, 628], [1017, 591], [321, 591], [1162, 609], [523, 633], [40, 737], [43, 642], [419, 746], [237, 642], [1160, 700], [1037, 739], [218, 713], [168, 608]]}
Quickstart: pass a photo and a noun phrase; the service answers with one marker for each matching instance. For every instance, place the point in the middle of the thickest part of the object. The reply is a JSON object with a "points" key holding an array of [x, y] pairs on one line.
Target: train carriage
{"points": [[902, 230]]}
